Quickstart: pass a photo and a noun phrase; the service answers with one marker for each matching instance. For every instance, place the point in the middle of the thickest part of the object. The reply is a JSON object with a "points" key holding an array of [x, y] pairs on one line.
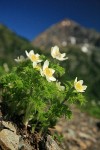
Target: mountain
{"points": [[66, 32], [11, 45]]}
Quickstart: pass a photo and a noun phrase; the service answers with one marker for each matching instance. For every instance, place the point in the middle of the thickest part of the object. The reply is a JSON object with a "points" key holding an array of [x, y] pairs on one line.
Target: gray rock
{"points": [[51, 144], [7, 125], [86, 136], [8, 140]]}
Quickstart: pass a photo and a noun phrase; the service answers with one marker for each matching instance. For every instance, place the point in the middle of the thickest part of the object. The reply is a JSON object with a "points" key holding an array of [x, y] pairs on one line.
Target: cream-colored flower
{"points": [[55, 53], [47, 72], [37, 66], [20, 59], [10, 85], [79, 85], [35, 58], [6, 67], [61, 88]]}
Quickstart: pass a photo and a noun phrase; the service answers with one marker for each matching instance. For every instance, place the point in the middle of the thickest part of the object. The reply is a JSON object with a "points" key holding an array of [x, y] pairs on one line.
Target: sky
{"points": [[29, 18]]}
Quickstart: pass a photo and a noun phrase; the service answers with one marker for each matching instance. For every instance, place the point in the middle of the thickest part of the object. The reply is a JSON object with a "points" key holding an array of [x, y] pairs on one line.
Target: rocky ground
{"points": [[82, 132]]}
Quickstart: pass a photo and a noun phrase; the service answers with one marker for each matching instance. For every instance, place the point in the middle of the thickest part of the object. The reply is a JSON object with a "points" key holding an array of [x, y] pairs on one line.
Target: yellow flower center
{"points": [[57, 54], [34, 57], [79, 86], [48, 72]]}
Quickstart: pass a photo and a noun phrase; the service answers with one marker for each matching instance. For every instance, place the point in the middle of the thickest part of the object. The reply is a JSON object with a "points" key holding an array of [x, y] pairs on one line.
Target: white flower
{"points": [[20, 59], [55, 53], [79, 85], [61, 88], [33, 57], [6, 68], [10, 85], [37, 66], [47, 72]]}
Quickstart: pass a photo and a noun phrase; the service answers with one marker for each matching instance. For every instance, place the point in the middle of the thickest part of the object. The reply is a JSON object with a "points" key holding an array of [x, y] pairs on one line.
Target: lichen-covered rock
{"points": [[51, 144], [8, 140], [7, 125]]}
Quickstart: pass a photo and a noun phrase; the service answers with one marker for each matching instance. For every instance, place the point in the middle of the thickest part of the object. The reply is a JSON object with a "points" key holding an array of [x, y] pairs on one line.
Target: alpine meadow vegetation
{"points": [[33, 92]]}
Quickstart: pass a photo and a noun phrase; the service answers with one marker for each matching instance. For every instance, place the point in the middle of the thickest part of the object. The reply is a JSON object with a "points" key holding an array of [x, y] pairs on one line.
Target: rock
{"points": [[7, 125], [51, 144], [8, 140], [88, 143], [73, 148], [82, 144], [94, 129], [86, 136], [52, 131], [24, 145], [71, 132], [58, 128]]}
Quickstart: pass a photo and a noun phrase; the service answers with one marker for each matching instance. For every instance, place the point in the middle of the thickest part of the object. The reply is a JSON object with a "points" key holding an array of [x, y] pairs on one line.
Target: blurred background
{"points": [[74, 26]]}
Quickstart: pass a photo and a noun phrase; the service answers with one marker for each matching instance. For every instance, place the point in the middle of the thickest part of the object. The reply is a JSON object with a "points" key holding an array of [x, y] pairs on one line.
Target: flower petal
{"points": [[34, 64], [46, 64], [84, 87], [61, 88], [81, 81], [55, 48], [41, 72], [31, 52], [27, 53], [75, 80], [61, 59], [37, 55], [54, 51], [39, 60], [63, 55], [52, 70], [52, 78], [48, 79]]}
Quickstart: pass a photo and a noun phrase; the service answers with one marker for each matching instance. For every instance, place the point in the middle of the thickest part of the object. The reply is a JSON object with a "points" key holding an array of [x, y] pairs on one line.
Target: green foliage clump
{"points": [[29, 96]]}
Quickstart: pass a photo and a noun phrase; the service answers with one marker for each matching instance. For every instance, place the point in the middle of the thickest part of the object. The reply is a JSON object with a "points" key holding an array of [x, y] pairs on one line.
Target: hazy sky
{"points": [[29, 18]]}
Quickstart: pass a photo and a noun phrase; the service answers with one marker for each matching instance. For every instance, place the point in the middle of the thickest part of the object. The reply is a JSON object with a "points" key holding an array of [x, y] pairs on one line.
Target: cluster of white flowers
{"points": [[48, 72], [45, 70]]}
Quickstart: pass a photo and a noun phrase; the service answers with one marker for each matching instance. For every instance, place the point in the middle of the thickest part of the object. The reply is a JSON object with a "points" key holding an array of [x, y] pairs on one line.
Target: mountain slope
{"points": [[65, 33], [11, 45]]}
